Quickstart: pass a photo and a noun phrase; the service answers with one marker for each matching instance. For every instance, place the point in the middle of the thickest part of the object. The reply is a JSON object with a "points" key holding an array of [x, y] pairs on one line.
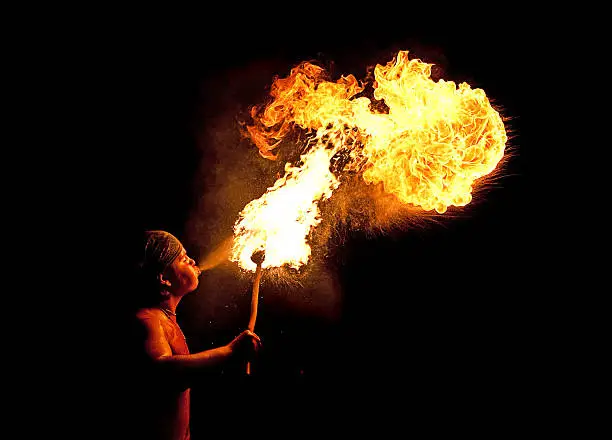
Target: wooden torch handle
{"points": [[255, 298], [254, 303]]}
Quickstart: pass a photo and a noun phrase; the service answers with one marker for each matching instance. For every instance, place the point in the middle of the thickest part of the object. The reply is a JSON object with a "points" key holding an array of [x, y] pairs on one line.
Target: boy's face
{"points": [[183, 274]]}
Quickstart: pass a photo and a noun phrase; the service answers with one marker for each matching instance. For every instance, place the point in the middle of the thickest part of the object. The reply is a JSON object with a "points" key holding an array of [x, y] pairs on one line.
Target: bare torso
{"points": [[167, 408]]}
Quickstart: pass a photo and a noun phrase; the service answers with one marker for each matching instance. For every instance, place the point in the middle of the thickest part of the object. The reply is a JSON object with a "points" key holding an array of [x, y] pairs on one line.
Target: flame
{"points": [[427, 146], [436, 140], [279, 222]]}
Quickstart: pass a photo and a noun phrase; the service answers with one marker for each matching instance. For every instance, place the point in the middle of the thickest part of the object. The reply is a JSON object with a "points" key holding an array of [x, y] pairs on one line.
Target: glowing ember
{"points": [[427, 146]]}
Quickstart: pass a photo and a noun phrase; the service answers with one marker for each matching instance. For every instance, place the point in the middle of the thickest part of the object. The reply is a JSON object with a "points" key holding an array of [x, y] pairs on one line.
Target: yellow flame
{"points": [[435, 141], [427, 149]]}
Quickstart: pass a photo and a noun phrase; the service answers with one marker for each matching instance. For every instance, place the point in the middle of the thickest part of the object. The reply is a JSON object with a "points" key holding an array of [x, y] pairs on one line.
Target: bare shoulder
{"points": [[150, 316], [151, 333]]}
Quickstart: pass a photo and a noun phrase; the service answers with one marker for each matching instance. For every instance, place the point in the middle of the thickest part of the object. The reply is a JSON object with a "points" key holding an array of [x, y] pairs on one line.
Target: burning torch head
{"points": [[258, 256]]}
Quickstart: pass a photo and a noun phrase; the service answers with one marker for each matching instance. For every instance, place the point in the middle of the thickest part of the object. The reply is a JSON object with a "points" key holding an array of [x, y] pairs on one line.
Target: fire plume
{"points": [[279, 221], [425, 142]]}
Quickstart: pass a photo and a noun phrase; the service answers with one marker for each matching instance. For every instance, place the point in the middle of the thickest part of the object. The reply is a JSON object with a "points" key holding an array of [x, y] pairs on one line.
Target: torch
{"points": [[257, 257]]}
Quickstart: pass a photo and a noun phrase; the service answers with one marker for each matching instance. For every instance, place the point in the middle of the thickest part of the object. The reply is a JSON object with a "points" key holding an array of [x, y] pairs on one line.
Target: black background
{"points": [[451, 308]]}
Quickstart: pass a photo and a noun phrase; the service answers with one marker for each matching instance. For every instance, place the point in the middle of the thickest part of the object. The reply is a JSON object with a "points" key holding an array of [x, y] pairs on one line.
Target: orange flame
{"points": [[428, 149]]}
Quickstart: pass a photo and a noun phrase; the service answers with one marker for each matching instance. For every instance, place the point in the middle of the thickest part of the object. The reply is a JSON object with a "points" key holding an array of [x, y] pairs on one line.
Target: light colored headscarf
{"points": [[160, 250]]}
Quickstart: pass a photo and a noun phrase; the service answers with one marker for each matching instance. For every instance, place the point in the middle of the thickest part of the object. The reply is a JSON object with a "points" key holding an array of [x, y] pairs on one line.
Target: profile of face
{"points": [[182, 276]]}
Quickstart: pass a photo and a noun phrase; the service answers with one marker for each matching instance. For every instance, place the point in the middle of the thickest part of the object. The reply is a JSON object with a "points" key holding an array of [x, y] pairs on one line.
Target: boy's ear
{"points": [[162, 279]]}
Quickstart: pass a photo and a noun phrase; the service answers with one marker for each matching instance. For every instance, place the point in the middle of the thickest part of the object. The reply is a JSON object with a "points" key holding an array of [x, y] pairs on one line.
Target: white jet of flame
{"points": [[280, 221]]}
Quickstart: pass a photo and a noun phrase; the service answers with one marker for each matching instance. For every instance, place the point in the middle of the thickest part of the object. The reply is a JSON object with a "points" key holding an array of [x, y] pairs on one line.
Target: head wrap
{"points": [[160, 249]]}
